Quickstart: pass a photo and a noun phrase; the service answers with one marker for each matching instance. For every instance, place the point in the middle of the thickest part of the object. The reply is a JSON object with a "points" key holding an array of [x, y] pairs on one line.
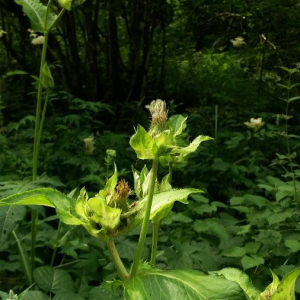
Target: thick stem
{"points": [[117, 260], [145, 224], [155, 227]]}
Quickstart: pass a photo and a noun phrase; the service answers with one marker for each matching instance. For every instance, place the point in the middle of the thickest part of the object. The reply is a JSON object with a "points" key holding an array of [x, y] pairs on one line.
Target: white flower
{"points": [[238, 42], [38, 40], [255, 124], [89, 144], [2, 32]]}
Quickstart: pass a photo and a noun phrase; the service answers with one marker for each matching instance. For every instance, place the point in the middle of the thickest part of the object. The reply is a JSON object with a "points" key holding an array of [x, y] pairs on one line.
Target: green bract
{"points": [[168, 145], [67, 4]]}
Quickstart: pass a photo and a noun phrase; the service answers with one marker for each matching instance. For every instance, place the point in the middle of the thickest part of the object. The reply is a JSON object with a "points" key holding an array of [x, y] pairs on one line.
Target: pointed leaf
{"points": [[177, 124], [271, 288], [243, 281], [286, 289], [65, 206], [180, 284], [143, 144], [105, 215], [36, 12]]}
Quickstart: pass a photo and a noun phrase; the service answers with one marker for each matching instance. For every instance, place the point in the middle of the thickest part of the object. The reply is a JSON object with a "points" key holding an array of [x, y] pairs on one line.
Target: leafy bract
{"points": [[242, 279], [67, 4], [143, 144], [271, 288], [36, 12], [163, 203], [180, 284], [286, 289], [65, 206], [105, 215], [165, 145]]}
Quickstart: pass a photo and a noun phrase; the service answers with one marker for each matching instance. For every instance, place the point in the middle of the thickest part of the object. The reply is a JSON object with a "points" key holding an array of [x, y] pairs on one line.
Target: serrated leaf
{"points": [[9, 217], [243, 281], [286, 289], [143, 144], [271, 288], [53, 280], [252, 261], [65, 206]]}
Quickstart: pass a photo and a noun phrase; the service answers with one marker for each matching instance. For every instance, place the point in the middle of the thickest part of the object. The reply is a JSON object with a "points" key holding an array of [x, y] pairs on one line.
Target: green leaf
{"points": [[271, 288], [234, 252], [294, 245], [65, 206], [143, 144], [67, 4], [286, 289], [243, 281], [294, 99], [180, 284], [107, 216], [53, 280], [163, 202], [192, 147], [67, 295], [111, 183], [47, 78], [35, 295], [177, 124], [252, 261], [36, 12], [9, 216]]}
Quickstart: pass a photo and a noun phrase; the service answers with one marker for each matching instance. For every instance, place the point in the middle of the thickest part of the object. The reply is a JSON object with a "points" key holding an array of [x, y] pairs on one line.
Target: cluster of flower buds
{"points": [[35, 38], [255, 124]]}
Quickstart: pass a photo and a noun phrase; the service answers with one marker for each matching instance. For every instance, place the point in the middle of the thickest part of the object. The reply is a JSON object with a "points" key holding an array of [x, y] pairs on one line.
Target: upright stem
{"points": [[117, 260], [155, 227], [56, 244], [145, 224], [288, 144], [34, 215]]}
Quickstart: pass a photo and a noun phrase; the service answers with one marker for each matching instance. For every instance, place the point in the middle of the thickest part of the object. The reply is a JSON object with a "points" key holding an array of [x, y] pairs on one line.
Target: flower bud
{"points": [[119, 200], [158, 110]]}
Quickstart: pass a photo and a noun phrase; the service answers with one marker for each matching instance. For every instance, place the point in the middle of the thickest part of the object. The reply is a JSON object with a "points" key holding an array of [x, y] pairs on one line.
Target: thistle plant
{"points": [[117, 209]]}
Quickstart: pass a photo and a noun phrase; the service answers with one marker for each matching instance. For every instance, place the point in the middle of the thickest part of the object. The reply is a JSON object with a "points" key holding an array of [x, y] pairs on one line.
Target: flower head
{"points": [[255, 124], [238, 42], [89, 144], [158, 110]]}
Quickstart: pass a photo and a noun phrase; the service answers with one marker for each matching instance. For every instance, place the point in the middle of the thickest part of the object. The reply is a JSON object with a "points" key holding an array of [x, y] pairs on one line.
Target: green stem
{"points": [[38, 110], [288, 145], [117, 260], [155, 227], [34, 215], [145, 224], [56, 244], [24, 259], [42, 123]]}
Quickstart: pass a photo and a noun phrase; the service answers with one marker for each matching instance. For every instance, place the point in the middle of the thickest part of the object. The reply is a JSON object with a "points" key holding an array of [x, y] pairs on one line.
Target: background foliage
{"points": [[110, 59]]}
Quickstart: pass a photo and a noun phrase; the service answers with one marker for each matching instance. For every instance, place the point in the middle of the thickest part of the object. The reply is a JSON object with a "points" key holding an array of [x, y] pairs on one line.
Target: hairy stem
{"points": [[145, 224], [117, 260]]}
